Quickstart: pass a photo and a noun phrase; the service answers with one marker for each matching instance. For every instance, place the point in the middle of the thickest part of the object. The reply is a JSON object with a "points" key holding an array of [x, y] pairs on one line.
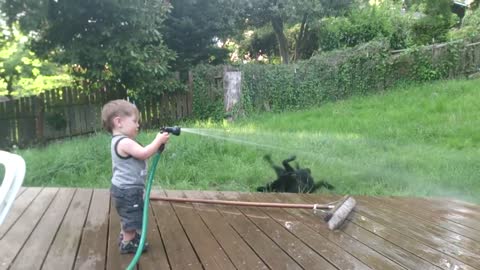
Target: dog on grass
{"points": [[298, 180]]}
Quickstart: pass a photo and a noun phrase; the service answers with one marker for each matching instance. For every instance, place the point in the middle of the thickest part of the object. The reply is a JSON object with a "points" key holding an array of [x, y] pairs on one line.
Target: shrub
{"points": [[364, 25], [434, 26], [469, 28]]}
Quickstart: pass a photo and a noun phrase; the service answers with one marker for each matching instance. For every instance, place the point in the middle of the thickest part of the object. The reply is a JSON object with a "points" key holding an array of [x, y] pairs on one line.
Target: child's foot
{"points": [[131, 247], [137, 240]]}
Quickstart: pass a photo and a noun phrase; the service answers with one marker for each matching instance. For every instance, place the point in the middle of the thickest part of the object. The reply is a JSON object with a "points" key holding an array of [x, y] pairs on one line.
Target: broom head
{"points": [[340, 212]]}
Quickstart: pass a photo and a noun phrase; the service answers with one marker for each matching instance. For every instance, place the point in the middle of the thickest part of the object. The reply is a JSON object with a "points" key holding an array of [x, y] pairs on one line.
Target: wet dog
{"points": [[292, 180]]}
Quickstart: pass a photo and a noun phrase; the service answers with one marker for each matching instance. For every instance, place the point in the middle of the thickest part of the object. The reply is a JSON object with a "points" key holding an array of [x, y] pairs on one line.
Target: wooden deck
{"points": [[62, 228]]}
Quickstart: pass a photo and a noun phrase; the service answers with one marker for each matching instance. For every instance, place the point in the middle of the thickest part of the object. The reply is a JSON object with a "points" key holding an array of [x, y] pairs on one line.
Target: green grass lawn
{"points": [[416, 140]]}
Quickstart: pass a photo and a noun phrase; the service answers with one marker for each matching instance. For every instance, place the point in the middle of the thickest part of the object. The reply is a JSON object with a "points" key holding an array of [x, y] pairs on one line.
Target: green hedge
{"points": [[335, 75]]}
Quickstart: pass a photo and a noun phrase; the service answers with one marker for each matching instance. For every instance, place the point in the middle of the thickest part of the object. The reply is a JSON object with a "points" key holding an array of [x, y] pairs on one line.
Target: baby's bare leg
{"points": [[129, 235]]}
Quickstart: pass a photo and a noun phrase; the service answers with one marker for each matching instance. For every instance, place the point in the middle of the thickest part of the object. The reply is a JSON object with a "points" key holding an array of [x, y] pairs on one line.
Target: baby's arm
{"points": [[129, 147]]}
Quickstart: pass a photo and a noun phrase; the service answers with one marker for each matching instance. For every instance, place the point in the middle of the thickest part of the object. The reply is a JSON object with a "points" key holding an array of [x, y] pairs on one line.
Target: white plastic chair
{"points": [[12, 181]]}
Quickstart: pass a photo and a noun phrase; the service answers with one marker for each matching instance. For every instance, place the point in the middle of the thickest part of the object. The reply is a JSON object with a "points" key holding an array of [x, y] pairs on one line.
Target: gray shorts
{"points": [[129, 205]]}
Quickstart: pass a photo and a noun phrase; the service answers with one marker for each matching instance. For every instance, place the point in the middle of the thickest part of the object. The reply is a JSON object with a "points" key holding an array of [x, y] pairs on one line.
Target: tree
{"points": [[20, 69], [361, 25], [475, 4], [434, 26], [103, 40], [281, 12], [16, 62], [193, 28]]}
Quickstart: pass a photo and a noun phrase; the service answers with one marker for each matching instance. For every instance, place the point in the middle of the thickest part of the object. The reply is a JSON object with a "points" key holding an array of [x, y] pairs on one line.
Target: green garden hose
{"points": [[135, 259], [171, 130]]}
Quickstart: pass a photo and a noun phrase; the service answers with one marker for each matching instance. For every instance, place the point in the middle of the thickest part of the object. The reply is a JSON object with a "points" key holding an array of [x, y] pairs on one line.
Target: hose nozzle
{"points": [[173, 130]]}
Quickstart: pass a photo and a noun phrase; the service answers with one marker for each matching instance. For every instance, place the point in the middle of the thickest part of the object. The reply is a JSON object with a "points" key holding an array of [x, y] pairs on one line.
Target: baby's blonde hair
{"points": [[114, 108]]}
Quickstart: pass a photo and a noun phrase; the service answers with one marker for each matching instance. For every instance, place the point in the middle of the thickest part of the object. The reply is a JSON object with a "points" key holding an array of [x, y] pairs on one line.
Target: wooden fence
{"points": [[68, 112]]}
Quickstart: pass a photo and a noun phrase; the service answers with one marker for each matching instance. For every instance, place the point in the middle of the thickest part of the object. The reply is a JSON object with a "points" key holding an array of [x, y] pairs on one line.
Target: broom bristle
{"points": [[341, 212]]}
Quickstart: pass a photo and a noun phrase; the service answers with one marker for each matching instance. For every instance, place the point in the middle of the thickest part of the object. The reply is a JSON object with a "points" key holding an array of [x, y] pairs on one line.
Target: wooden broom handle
{"points": [[242, 203]]}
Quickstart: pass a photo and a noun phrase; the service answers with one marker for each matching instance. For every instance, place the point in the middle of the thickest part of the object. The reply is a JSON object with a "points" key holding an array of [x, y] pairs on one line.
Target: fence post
{"points": [[190, 93], [39, 112], [232, 85], [66, 109]]}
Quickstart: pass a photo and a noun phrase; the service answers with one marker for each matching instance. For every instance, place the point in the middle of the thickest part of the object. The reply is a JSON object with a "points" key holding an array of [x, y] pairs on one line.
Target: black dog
{"points": [[292, 180]]}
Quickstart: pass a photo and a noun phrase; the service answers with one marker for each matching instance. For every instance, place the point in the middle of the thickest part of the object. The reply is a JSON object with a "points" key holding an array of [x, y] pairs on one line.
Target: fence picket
{"points": [[5, 124], [39, 112]]}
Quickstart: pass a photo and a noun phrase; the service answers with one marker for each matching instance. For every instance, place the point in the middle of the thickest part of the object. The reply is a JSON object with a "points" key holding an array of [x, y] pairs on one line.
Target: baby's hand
{"points": [[163, 137]]}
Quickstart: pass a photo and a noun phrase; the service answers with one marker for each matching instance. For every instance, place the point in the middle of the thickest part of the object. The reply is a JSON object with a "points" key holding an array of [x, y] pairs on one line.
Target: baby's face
{"points": [[129, 126]]}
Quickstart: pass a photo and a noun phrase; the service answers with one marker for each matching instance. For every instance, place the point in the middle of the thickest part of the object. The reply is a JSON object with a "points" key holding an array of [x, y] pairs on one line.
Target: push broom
{"points": [[335, 213]]}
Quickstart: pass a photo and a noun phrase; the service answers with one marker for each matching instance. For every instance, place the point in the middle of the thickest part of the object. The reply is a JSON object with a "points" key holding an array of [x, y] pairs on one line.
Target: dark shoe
{"points": [[137, 240], [130, 247]]}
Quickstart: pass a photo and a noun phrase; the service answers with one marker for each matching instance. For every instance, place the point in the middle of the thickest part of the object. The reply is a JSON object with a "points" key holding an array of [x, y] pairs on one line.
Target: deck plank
{"points": [[326, 242], [454, 206], [418, 213], [34, 251], [385, 216], [410, 244], [403, 240], [22, 201], [93, 245], [115, 260], [425, 224], [23, 227], [241, 255], [156, 256], [267, 249], [353, 246], [64, 248], [210, 253], [282, 235], [20, 191], [473, 207], [383, 246], [180, 252]]}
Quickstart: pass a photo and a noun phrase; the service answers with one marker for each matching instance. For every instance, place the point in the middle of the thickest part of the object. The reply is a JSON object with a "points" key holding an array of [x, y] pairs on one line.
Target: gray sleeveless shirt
{"points": [[128, 172]]}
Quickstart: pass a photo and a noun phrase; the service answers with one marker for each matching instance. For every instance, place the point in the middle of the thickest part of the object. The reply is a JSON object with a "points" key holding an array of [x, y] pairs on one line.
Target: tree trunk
{"points": [[277, 25], [300, 39]]}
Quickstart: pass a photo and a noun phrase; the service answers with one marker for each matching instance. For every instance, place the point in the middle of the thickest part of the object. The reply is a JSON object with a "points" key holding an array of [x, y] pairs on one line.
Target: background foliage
{"points": [[436, 22], [192, 29], [335, 48], [335, 75], [135, 46], [22, 73], [385, 20], [208, 92], [106, 41]]}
